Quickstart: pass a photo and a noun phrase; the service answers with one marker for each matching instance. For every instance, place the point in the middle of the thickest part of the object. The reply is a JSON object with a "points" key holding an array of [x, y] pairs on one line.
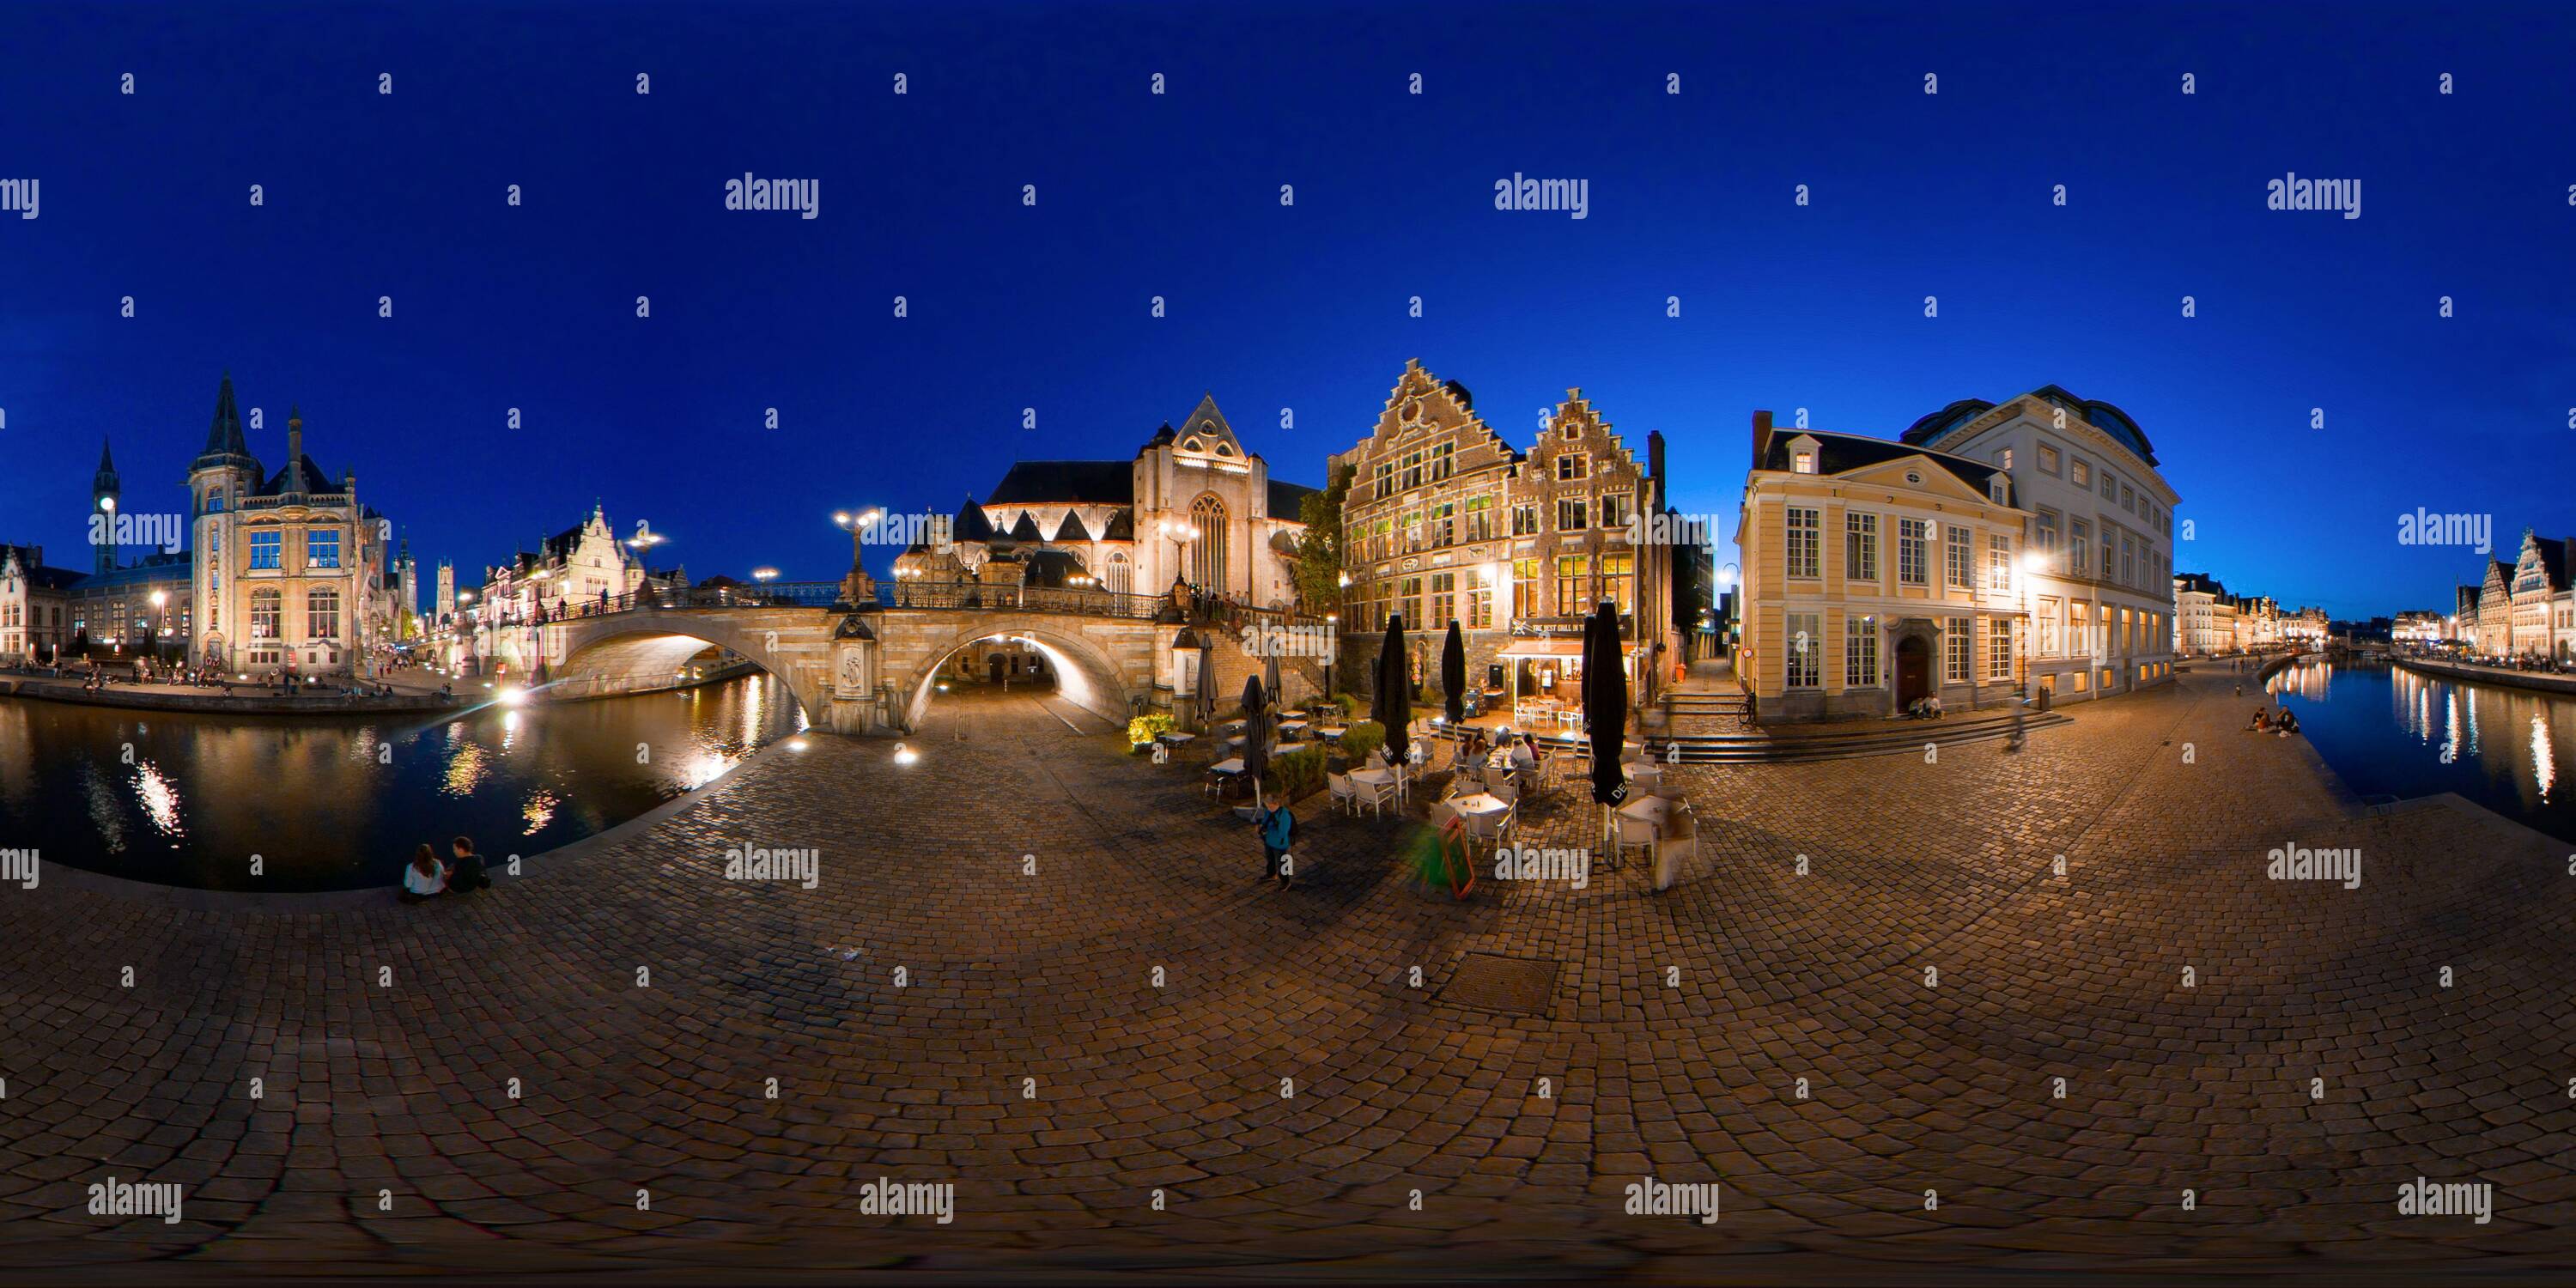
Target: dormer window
{"points": [[1802, 461], [1192, 445], [2001, 488], [1223, 450]]}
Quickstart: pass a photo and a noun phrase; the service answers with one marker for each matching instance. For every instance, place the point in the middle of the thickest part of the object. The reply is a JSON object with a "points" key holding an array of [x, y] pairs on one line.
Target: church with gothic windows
{"points": [[1192, 507]]}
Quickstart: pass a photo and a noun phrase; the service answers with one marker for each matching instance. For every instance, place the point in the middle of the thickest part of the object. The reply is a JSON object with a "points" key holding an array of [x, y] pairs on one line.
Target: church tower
{"points": [[218, 479], [104, 494]]}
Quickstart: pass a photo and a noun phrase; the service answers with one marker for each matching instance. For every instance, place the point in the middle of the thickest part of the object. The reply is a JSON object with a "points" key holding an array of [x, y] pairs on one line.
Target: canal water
{"points": [[337, 803], [2391, 732]]}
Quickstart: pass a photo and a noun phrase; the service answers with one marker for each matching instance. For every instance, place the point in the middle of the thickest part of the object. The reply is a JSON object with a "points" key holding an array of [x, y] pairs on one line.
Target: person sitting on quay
{"points": [[425, 877], [2262, 720], [466, 874]]}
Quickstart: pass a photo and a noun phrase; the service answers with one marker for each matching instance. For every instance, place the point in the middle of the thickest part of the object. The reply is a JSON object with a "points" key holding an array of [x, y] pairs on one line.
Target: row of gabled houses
{"points": [[2526, 608]]}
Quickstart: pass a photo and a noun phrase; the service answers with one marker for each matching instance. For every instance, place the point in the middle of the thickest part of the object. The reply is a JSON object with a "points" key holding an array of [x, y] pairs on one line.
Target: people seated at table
{"points": [[1525, 753]]}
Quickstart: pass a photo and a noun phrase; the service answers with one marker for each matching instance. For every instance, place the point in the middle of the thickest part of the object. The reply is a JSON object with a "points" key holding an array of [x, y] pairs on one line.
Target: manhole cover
{"points": [[1506, 985]]}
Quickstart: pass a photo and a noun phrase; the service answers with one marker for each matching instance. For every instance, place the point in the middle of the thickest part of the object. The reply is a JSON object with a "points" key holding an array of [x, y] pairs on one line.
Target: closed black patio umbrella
{"points": [[1256, 734], [1605, 717], [1393, 705], [1453, 674]]}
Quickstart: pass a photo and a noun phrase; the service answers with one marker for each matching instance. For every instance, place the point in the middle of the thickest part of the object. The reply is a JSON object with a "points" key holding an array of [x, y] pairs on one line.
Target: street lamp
{"points": [[2033, 563], [1180, 533]]}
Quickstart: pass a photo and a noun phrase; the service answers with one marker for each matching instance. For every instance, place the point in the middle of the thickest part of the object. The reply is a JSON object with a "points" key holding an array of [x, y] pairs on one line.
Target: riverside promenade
{"points": [[1907, 1043]]}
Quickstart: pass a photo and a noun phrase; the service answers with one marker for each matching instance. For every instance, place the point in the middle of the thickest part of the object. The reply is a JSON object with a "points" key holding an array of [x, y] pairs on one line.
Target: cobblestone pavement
{"points": [[2312, 1061]]}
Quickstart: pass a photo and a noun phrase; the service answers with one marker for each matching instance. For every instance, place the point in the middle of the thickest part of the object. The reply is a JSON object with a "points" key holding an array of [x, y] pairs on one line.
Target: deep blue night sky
{"points": [[2465, 195]]}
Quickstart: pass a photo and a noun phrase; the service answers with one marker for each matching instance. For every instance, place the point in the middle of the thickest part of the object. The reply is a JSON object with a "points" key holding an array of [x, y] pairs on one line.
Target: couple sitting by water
{"points": [[2283, 724], [426, 876]]}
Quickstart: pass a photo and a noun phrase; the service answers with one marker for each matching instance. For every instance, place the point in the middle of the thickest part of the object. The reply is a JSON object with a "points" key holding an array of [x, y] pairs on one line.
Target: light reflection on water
{"points": [[2390, 732], [339, 802]]}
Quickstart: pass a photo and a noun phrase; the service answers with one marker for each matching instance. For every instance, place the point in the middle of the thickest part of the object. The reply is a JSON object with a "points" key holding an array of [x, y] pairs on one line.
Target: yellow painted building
{"points": [[1876, 573]]}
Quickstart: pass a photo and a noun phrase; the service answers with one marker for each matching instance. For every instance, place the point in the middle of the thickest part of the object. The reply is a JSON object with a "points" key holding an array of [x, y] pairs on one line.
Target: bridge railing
{"points": [[1088, 601]]}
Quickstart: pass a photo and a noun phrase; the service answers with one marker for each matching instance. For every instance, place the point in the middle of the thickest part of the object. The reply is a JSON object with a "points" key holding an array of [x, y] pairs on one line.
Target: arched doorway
{"points": [[1913, 670]]}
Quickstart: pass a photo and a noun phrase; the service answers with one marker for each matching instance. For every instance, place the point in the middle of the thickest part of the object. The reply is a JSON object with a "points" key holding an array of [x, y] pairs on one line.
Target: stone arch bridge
{"points": [[869, 667]]}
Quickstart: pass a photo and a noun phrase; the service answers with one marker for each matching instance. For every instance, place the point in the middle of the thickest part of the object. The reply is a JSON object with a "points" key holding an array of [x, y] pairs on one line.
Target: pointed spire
{"points": [[106, 458]]}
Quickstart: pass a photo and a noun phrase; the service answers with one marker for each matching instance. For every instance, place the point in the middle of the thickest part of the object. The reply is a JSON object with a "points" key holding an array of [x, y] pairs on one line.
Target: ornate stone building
{"points": [[1445, 520], [292, 573], [1192, 506]]}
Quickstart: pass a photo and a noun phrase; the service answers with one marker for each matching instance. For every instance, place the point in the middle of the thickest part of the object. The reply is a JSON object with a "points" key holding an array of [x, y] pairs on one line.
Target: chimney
{"points": [[294, 440], [1655, 464], [1761, 437]]}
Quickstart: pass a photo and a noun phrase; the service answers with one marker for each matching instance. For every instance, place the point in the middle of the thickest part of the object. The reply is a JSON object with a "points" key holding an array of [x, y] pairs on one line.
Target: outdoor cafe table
{"points": [[1374, 777], [1479, 804], [1174, 737]]}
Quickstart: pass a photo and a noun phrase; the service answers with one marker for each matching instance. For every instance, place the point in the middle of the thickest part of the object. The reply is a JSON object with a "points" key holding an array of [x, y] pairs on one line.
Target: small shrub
{"points": [[1297, 773], [1363, 737], [1144, 729]]}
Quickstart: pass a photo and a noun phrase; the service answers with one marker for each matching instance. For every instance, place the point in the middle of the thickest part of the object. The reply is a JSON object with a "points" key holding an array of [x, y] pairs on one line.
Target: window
{"points": [[2047, 459], [1860, 546], [1802, 462], [1444, 600], [2110, 550], [1999, 648], [1618, 581], [1444, 458], [1207, 551], [1525, 588], [2128, 499], [1408, 600], [2128, 559], [1122, 576], [264, 614], [1998, 562], [2044, 533], [1480, 518], [1573, 465], [264, 547], [1524, 520], [1913, 552], [1384, 480], [2110, 485], [215, 502], [1801, 650], [1956, 557], [2079, 551], [1860, 653], [1573, 596], [1806, 541], [1570, 514], [322, 613], [2048, 615], [1440, 530], [1412, 470], [2078, 473], [1480, 605], [2004, 458], [1615, 509], [322, 548], [2079, 629]]}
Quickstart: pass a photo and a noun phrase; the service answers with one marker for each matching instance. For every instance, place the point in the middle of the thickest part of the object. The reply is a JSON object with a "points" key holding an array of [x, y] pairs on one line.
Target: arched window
{"points": [[1121, 576], [264, 606], [1207, 553], [322, 613]]}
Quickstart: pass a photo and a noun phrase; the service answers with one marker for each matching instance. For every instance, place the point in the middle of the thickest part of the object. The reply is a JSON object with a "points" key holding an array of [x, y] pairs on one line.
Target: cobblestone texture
{"points": [[1781, 978]]}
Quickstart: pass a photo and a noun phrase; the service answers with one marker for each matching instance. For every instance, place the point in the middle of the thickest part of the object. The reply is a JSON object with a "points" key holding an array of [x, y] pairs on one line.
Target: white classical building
{"points": [[2101, 602]]}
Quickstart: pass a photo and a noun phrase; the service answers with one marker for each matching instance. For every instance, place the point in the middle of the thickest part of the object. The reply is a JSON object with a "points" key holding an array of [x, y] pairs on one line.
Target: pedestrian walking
{"points": [[1278, 832]]}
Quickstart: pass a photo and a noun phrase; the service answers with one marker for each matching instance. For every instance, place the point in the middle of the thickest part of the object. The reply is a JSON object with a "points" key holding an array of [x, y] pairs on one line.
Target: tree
{"points": [[1319, 549]]}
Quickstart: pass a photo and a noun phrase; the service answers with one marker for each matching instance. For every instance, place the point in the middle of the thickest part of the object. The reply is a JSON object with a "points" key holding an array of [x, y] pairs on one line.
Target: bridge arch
{"points": [[1096, 675], [643, 649]]}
